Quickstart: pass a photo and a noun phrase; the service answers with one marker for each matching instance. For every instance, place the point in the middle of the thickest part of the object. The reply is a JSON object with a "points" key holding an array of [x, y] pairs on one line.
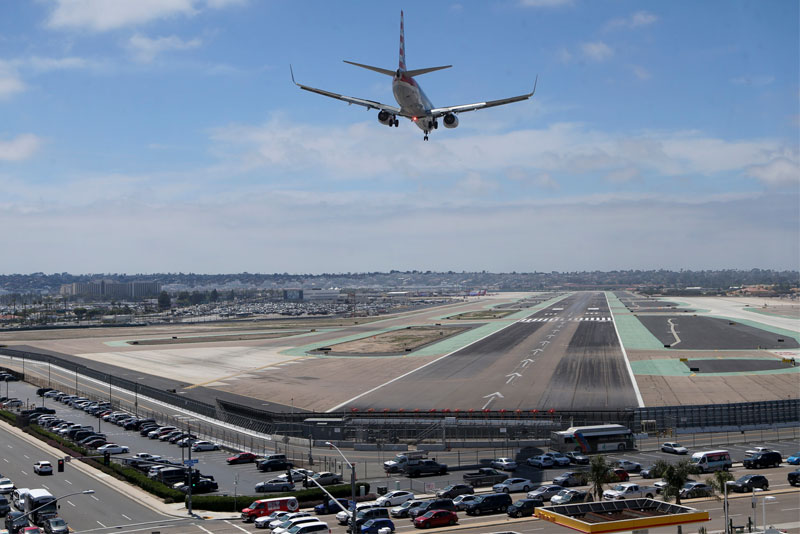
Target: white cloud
{"points": [[10, 82], [20, 148], [46, 64], [597, 51], [636, 20], [563, 55], [104, 15], [755, 81], [145, 49], [545, 3], [777, 172], [475, 184]]}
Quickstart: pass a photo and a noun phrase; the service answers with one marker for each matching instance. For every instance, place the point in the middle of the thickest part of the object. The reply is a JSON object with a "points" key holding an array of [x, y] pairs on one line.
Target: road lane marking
{"points": [[204, 529], [126, 517], [26, 456], [95, 498], [45, 487], [789, 509], [639, 398], [67, 481], [237, 526], [101, 524], [24, 473], [70, 503]]}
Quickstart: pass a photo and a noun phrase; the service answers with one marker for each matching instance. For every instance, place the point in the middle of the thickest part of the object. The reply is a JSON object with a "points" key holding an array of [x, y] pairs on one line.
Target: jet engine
{"points": [[384, 117], [450, 121]]}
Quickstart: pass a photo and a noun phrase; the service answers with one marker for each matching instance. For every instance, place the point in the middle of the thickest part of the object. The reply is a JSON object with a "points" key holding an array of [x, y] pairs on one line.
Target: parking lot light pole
{"points": [[725, 506], [764, 508], [352, 487]]}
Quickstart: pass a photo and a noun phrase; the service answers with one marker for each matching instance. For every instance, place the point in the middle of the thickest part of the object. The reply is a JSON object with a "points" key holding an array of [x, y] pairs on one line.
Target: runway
{"points": [[566, 356]]}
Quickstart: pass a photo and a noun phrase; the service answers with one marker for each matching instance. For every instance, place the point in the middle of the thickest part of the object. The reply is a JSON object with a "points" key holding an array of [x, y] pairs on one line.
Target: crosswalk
{"points": [[575, 319]]}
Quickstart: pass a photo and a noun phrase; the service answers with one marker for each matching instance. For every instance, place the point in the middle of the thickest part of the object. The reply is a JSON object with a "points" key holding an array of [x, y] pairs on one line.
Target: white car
{"points": [[674, 448], [756, 450], [18, 498], [146, 456], [6, 486], [43, 468], [513, 485], [275, 522], [541, 462], [113, 448], [204, 446], [264, 521], [394, 498], [290, 524], [558, 458], [504, 464], [629, 466]]}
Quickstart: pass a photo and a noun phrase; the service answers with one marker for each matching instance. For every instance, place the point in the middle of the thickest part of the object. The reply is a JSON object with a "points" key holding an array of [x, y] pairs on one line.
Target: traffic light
{"points": [[187, 478], [106, 458], [60, 465]]}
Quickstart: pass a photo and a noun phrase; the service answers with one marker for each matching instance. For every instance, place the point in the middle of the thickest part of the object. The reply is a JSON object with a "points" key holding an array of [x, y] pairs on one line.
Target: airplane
{"points": [[414, 105]]}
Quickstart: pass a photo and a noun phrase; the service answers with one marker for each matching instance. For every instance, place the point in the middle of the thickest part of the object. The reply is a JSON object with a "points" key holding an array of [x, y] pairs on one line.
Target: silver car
{"points": [[275, 484], [546, 492], [204, 446]]}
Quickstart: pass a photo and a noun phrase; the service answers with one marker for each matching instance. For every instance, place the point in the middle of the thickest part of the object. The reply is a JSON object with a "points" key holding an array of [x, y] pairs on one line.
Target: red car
{"points": [[242, 458], [436, 518], [622, 475]]}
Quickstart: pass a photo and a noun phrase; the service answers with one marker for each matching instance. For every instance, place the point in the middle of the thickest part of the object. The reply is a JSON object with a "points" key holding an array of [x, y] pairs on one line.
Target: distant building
{"points": [[316, 295], [109, 288], [292, 295]]}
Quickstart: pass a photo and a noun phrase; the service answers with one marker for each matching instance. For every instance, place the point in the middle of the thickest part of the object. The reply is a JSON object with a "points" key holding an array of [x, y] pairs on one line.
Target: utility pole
{"points": [[191, 473]]}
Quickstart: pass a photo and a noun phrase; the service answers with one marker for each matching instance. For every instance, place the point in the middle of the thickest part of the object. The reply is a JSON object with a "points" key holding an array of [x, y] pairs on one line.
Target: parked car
{"points": [[5, 506], [621, 474], [394, 498], [793, 459], [794, 478], [242, 458], [577, 458], [545, 492], [431, 504], [692, 490], [113, 448], [628, 465], [558, 458], [273, 464], [454, 490], [332, 506], [436, 518], [651, 471], [571, 496], [404, 509], [489, 503], [756, 450], [514, 485], [541, 461], [749, 482], [275, 484], [43, 468], [763, 459], [571, 478], [198, 446], [325, 478], [524, 507], [505, 464], [674, 448], [203, 485], [462, 501], [373, 526]]}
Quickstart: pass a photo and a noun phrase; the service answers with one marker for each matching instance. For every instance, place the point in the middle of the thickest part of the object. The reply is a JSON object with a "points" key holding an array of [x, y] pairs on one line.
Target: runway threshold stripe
{"points": [[625, 355]]}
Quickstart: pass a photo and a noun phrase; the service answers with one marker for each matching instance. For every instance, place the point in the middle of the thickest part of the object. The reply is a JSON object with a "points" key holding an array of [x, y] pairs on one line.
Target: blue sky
{"points": [[166, 135]]}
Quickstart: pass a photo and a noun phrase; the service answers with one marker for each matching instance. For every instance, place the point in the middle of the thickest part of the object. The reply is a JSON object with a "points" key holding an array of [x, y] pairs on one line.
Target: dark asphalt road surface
{"points": [[709, 333], [566, 356]]}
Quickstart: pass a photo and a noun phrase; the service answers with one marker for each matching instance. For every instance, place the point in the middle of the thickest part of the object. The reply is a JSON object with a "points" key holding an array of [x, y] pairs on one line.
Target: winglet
{"points": [[534, 85], [292, 72]]}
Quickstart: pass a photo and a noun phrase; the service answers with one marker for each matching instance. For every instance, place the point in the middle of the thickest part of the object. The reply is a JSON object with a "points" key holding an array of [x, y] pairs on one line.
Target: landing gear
{"points": [[426, 136], [396, 123]]}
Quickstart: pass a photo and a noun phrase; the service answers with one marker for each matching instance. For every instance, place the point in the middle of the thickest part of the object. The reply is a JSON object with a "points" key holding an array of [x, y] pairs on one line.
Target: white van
{"points": [[708, 461], [289, 523]]}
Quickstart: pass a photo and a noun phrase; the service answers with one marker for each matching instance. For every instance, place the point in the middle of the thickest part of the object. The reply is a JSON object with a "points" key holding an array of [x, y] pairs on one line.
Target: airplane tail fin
{"points": [[402, 63]]}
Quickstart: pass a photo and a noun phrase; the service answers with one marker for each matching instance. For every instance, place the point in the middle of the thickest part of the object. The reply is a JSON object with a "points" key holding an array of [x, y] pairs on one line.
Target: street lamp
{"points": [[725, 505], [352, 487], [84, 492], [764, 508]]}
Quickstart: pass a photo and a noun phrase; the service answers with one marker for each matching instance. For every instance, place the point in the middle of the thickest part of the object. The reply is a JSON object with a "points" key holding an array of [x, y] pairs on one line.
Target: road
{"points": [[564, 357]]}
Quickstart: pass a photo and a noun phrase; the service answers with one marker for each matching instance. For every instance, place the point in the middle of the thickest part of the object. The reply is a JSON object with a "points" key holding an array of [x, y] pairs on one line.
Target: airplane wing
{"points": [[369, 104], [438, 112]]}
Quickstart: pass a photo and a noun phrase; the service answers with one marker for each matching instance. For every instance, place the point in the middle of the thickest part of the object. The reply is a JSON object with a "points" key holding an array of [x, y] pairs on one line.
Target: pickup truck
{"points": [[400, 461], [485, 476], [629, 490], [424, 467]]}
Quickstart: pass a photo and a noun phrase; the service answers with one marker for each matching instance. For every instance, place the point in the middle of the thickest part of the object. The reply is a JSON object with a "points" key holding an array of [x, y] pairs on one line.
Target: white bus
{"points": [[597, 438]]}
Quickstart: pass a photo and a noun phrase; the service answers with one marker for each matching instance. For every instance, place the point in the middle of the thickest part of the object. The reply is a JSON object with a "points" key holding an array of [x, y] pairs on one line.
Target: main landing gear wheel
{"points": [[425, 138]]}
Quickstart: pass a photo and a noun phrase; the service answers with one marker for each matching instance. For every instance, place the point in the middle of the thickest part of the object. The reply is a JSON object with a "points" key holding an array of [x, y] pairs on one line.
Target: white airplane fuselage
{"points": [[412, 100]]}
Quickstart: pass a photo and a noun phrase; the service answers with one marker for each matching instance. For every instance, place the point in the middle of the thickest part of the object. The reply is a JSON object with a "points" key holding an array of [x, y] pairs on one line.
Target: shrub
{"points": [[227, 503], [8, 417]]}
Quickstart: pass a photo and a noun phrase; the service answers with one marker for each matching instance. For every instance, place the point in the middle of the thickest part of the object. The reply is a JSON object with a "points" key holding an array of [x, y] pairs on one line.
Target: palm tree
{"points": [[718, 481], [676, 476], [599, 473]]}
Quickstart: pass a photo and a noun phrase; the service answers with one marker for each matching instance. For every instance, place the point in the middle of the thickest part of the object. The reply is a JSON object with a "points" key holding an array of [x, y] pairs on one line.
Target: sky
{"points": [[167, 136]]}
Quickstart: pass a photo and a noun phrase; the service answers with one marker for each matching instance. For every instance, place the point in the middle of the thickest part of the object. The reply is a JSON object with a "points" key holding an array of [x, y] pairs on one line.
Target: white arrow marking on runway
{"points": [[534, 351], [550, 335], [545, 342], [495, 395], [526, 361], [512, 376]]}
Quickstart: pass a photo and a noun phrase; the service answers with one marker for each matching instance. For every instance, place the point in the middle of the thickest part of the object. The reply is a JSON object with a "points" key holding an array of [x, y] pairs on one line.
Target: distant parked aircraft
{"points": [[414, 105]]}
